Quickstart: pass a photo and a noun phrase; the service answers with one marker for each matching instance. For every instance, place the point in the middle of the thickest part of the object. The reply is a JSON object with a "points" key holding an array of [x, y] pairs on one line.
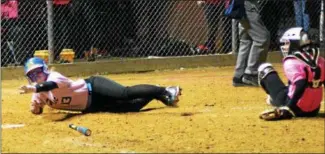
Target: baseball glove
{"points": [[277, 114]]}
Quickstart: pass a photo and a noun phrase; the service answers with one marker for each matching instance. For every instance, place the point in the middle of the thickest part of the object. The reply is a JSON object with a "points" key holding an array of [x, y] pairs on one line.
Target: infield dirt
{"points": [[213, 116]]}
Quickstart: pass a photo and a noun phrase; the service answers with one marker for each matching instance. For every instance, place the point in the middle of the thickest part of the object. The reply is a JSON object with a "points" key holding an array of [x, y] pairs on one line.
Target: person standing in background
{"points": [[302, 18], [254, 41], [218, 26]]}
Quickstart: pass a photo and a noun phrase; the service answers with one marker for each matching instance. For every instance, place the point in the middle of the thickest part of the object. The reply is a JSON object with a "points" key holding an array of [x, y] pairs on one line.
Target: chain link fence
{"points": [[110, 29], [23, 30], [139, 28], [279, 15]]}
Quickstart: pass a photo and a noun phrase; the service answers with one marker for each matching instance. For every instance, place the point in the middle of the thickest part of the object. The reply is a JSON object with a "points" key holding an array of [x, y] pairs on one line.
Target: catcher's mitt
{"points": [[277, 114]]}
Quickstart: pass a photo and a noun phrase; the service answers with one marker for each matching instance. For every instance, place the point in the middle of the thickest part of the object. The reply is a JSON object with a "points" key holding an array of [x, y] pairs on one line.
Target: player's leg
{"points": [[305, 16], [261, 40], [168, 95], [104, 103], [115, 91], [272, 85], [298, 12], [242, 55], [277, 91], [133, 105]]}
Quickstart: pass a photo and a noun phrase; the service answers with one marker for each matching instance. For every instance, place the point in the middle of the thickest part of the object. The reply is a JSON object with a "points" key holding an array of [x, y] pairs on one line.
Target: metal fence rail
{"points": [[133, 28]]}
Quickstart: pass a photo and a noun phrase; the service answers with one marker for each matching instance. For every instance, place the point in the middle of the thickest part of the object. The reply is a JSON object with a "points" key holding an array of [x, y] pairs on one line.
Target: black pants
{"points": [[108, 95], [273, 86]]}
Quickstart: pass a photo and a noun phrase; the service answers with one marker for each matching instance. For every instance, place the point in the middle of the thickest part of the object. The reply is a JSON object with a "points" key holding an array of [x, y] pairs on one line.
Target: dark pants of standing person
{"points": [[254, 45]]}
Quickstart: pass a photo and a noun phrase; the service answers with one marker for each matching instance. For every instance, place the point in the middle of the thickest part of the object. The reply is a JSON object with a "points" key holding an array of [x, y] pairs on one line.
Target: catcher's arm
{"points": [[298, 77], [299, 91]]}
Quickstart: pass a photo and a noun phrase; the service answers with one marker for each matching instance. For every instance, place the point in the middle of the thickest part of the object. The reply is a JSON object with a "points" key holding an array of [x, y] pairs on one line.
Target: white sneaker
{"points": [[175, 92]]}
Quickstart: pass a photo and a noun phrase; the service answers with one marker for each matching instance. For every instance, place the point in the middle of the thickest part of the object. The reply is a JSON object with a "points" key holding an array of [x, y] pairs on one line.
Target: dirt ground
{"points": [[212, 117]]}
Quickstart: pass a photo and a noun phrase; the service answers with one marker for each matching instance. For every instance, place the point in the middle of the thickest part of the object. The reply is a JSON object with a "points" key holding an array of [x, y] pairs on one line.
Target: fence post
{"points": [[321, 27], [234, 33], [50, 38]]}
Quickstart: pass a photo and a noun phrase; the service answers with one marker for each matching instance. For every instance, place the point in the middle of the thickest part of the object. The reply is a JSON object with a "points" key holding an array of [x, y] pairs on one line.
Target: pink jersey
{"points": [[294, 70], [71, 95]]}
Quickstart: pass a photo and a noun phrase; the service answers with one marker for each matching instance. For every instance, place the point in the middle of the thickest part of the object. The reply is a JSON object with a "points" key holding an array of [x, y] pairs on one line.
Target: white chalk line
{"points": [[10, 126]]}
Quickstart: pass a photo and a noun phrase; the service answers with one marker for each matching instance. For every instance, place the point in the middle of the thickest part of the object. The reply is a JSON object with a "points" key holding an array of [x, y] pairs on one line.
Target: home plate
{"points": [[12, 126]]}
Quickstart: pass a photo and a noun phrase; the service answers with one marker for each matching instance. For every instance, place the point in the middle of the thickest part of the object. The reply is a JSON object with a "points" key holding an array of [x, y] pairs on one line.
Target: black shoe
{"points": [[250, 79], [238, 82]]}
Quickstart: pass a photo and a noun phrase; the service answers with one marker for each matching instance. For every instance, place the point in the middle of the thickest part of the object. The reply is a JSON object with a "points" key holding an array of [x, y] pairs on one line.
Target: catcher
{"points": [[305, 71], [93, 94]]}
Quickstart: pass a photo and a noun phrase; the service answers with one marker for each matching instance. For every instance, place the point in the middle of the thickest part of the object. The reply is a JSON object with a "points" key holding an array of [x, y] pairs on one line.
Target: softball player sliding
{"points": [[305, 71], [89, 95]]}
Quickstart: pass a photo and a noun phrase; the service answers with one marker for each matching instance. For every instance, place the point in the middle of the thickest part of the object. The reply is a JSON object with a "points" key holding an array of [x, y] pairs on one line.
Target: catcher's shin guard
{"points": [[264, 70]]}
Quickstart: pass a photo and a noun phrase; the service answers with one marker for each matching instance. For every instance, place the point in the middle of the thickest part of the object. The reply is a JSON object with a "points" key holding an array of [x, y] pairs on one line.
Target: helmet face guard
{"points": [[296, 43], [293, 40], [33, 74], [285, 47]]}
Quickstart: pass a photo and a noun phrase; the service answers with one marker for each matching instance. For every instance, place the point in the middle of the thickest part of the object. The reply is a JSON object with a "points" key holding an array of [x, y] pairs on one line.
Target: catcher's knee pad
{"points": [[264, 70]]}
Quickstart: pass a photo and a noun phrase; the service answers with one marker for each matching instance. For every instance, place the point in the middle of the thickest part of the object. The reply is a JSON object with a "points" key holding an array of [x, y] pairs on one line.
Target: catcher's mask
{"points": [[293, 40]]}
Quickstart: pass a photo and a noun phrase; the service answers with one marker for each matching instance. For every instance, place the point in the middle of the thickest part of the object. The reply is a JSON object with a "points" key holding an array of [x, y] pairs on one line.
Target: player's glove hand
{"points": [[277, 114], [27, 89]]}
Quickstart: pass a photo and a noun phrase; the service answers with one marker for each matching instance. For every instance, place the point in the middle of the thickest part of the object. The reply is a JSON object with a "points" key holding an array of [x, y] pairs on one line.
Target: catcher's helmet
{"points": [[296, 43], [292, 40], [32, 64]]}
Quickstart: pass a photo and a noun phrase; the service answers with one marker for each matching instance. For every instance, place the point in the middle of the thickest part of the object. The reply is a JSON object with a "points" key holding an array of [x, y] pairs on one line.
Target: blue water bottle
{"points": [[83, 130]]}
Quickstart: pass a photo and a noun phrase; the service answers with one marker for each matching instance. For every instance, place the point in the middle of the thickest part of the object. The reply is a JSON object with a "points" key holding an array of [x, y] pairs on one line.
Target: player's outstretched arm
{"points": [[46, 86], [27, 89]]}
